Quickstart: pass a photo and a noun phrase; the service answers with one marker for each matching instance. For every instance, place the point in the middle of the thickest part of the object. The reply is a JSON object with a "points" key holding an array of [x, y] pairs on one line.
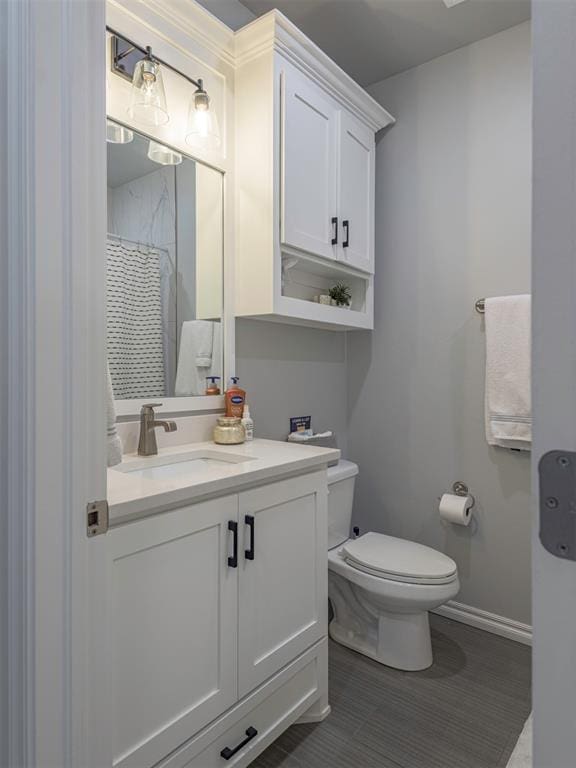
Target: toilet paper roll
{"points": [[456, 509]]}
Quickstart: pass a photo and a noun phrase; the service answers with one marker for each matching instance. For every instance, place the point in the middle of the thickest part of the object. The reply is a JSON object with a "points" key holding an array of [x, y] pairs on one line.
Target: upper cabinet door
{"points": [[174, 628], [357, 152], [283, 575], [309, 157]]}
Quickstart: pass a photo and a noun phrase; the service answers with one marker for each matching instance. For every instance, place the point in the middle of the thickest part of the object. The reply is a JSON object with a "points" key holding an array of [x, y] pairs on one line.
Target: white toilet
{"points": [[381, 588]]}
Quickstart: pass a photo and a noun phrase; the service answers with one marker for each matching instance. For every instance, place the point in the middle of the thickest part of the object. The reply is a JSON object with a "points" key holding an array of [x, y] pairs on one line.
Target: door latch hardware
{"points": [[96, 517], [557, 475]]}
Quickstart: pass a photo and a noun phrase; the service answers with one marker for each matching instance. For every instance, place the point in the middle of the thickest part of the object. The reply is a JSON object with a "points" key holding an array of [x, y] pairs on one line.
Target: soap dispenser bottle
{"points": [[235, 399]]}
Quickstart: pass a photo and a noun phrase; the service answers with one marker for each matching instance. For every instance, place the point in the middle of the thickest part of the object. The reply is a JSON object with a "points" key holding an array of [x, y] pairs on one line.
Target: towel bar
{"points": [[480, 306]]}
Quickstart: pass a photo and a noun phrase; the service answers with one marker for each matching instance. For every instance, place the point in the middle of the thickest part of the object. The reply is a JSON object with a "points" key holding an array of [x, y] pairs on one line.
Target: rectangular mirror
{"points": [[164, 271]]}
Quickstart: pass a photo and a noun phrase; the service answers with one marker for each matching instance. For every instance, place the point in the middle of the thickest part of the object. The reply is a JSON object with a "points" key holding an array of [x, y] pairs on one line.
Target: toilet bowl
{"points": [[381, 587]]}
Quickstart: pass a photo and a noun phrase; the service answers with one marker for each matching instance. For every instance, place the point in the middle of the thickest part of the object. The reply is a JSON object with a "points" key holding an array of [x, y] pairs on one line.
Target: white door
{"points": [[309, 156], [283, 598], [173, 627], [554, 374], [356, 185]]}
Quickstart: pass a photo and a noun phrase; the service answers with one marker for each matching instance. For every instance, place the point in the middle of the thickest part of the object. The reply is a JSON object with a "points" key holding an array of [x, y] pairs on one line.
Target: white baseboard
{"points": [[490, 622]]}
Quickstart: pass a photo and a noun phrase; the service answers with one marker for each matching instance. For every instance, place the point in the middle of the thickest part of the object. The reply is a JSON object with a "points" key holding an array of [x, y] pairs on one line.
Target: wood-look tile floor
{"points": [[466, 711]]}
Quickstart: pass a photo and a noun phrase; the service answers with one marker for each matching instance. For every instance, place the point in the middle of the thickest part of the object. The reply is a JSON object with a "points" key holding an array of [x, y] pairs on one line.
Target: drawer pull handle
{"points": [[249, 553], [233, 561], [227, 753], [335, 231], [346, 227]]}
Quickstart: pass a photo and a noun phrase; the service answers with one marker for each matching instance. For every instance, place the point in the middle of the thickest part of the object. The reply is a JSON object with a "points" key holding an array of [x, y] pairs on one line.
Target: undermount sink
{"points": [[178, 465]]}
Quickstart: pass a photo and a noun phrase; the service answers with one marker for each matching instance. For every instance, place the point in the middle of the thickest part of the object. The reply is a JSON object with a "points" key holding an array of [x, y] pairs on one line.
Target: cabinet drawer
{"points": [[269, 711]]}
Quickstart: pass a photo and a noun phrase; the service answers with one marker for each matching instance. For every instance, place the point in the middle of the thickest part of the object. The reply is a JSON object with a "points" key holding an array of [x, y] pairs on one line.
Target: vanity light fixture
{"points": [[148, 99], [118, 134], [203, 129], [163, 155]]}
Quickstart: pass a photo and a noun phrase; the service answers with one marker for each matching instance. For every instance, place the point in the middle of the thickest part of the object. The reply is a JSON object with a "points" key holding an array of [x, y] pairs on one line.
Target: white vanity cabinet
{"points": [[283, 577], [219, 624], [305, 140]]}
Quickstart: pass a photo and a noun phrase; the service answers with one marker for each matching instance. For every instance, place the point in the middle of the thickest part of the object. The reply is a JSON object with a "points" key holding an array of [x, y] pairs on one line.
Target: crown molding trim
{"points": [[274, 32]]}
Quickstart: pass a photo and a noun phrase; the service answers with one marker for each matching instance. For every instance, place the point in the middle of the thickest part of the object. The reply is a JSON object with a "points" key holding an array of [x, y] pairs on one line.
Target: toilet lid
{"points": [[398, 559]]}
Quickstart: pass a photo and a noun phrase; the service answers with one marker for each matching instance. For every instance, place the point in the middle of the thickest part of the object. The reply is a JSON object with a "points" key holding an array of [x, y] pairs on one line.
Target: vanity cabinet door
{"points": [[174, 628], [309, 156], [357, 154], [283, 597]]}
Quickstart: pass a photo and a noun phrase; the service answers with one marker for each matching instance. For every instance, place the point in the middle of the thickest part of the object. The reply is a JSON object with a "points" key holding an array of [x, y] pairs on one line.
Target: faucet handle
{"points": [[150, 407]]}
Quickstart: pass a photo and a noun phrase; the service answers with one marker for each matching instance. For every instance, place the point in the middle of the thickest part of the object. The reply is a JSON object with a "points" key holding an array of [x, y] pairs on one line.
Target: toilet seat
{"points": [[387, 557]]}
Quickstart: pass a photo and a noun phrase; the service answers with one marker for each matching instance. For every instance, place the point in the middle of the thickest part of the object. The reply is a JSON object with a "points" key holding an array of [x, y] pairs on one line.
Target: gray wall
{"points": [[292, 371], [453, 225]]}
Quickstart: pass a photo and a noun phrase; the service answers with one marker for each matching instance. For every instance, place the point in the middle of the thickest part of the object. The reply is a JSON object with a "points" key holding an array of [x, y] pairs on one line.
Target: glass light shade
{"points": [[148, 98], [117, 134], [203, 131], [163, 155]]}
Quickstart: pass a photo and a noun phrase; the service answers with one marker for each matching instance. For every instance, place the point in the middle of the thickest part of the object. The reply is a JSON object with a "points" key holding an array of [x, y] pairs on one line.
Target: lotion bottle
{"points": [[248, 423], [235, 399]]}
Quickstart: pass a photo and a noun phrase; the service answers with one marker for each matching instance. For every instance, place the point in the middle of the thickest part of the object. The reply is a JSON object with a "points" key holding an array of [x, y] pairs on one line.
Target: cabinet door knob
{"points": [[249, 553], [233, 561], [346, 227], [335, 231], [228, 752]]}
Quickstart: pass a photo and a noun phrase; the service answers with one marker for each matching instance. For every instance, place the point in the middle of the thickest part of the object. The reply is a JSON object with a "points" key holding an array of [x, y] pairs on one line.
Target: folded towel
{"points": [[508, 400], [114, 444], [199, 356]]}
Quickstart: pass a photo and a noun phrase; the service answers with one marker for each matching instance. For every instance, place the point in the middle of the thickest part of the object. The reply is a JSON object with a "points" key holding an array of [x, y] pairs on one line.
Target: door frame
{"points": [[52, 382]]}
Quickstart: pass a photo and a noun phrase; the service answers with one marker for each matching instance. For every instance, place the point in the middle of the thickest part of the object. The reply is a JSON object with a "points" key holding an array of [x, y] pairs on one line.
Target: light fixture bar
{"points": [[122, 47]]}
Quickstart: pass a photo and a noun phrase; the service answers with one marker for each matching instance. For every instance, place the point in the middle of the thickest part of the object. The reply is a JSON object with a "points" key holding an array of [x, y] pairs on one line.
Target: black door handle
{"points": [[346, 227], [227, 753], [249, 553], [335, 225], [233, 561]]}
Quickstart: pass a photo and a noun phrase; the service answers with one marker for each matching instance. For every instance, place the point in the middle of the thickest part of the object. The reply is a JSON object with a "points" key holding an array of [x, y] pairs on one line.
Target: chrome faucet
{"points": [[147, 445]]}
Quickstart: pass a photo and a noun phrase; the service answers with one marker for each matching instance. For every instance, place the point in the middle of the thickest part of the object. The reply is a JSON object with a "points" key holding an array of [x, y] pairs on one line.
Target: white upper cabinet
{"points": [[305, 148], [327, 179], [309, 150], [356, 193]]}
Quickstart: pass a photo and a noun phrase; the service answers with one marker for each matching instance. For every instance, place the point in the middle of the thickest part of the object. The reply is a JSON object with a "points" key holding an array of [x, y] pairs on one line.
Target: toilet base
{"points": [[400, 640]]}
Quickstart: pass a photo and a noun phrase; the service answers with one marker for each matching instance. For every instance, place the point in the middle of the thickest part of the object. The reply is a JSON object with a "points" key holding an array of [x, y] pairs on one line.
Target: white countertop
{"points": [[131, 496]]}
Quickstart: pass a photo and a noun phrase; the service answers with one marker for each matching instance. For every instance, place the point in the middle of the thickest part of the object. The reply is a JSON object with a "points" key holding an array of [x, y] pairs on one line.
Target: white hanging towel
{"points": [[508, 400], [199, 356], [113, 442]]}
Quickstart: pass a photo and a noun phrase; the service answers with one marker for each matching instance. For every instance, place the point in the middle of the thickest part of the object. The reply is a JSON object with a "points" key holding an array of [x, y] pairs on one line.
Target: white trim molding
{"points": [[489, 622]]}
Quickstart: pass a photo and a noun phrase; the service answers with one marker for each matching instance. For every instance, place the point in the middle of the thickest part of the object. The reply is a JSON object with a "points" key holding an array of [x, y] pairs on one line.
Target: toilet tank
{"points": [[341, 480]]}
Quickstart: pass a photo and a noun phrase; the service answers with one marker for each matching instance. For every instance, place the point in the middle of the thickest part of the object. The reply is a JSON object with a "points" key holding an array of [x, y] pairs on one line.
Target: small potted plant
{"points": [[340, 295]]}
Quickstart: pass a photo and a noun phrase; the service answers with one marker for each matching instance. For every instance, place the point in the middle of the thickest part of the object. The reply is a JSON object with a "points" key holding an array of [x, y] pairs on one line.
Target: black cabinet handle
{"points": [[335, 225], [227, 753], [233, 561], [249, 553], [346, 227]]}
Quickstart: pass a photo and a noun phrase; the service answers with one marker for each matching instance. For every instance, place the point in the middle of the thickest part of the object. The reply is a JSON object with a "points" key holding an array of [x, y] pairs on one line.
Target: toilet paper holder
{"points": [[461, 489]]}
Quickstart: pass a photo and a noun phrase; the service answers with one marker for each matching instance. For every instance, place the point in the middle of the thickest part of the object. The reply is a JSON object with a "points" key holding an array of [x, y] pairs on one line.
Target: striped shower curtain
{"points": [[134, 317]]}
